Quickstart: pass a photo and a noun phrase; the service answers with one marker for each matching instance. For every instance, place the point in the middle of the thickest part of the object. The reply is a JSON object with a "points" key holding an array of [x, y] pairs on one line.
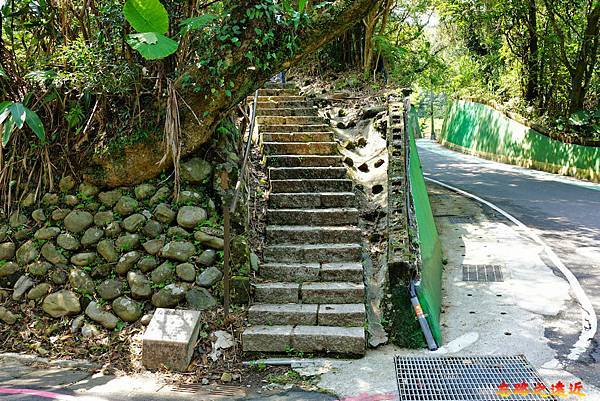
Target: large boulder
{"points": [[127, 309], [61, 303], [78, 220], [127, 261], [195, 170], [81, 282], [133, 223], [169, 296], [200, 299], [27, 253], [52, 255], [209, 277], [178, 250], [68, 242], [190, 216], [7, 251], [97, 314], [139, 285], [110, 289], [91, 236]]}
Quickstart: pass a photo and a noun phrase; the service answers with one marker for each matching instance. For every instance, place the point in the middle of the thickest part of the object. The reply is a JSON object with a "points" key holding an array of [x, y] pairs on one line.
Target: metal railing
{"points": [[231, 208]]}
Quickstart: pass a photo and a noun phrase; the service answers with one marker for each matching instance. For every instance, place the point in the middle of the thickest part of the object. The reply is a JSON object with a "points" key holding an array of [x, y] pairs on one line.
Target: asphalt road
{"points": [[565, 212]]}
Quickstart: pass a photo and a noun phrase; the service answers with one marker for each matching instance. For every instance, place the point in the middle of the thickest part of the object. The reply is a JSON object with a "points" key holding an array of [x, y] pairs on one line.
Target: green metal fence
{"points": [[429, 289], [478, 129]]}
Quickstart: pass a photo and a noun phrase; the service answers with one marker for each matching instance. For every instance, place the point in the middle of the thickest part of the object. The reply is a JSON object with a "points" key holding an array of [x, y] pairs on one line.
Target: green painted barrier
{"points": [[478, 129], [429, 290]]}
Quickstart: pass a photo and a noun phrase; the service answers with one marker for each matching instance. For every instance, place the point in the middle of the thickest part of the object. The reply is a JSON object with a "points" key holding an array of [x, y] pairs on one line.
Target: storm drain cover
{"points": [[487, 378], [439, 196], [482, 273]]}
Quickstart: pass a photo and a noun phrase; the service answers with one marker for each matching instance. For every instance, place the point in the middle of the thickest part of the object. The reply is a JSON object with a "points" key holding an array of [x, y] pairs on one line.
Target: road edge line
{"points": [[589, 320]]}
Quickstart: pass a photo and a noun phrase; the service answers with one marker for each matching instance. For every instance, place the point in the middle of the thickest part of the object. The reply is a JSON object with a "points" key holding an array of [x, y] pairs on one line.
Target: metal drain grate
{"points": [[465, 378], [482, 273], [210, 392], [439, 196], [461, 219]]}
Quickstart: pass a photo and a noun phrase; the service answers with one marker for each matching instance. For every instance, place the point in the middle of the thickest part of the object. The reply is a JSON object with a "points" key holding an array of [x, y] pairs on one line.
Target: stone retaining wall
{"points": [[109, 257]]}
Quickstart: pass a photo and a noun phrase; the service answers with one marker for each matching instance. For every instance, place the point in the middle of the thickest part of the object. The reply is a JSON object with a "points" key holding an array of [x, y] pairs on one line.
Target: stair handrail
{"points": [[228, 210]]}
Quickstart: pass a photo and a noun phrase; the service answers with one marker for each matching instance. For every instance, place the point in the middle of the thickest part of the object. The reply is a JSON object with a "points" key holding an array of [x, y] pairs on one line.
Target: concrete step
{"points": [[298, 137], [342, 340], [311, 200], [309, 293], [283, 314], [277, 98], [279, 92], [325, 185], [351, 272], [303, 234], [292, 120], [299, 148], [271, 104], [304, 161], [342, 271], [322, 253], [343, 315], [293, 127], [287, 112], [313, 217], [283, 173], [332, 293], [279, 85]]}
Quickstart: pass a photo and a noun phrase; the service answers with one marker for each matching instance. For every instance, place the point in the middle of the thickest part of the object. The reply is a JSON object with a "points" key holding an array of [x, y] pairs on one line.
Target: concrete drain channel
{"points": [[475, 378], [482, 273]]}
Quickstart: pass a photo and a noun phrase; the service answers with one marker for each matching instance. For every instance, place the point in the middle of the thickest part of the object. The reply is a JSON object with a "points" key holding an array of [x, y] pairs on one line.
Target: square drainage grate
{"points": [[482, 273], [466, 378], [461, 219], [439, 196]]}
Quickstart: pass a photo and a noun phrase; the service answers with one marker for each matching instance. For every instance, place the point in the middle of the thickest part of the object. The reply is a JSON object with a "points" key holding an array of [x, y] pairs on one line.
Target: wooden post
{"points": [[227, 242]]}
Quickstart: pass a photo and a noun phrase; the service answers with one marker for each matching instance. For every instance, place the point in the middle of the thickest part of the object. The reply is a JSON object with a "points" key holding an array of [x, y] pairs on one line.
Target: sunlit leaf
{"points": [[9, 125], [196, 23], [152, 45], [17, 110], [146, 16], [33, 121]]}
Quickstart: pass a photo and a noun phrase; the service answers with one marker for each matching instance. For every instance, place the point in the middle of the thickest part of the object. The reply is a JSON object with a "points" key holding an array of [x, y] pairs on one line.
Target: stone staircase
{"points": [[310, 297]]}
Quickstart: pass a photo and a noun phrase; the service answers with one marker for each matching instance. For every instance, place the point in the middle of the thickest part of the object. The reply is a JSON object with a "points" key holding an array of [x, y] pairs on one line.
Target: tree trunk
{"points": [[204, 108], [586, 61], [532, 92]]}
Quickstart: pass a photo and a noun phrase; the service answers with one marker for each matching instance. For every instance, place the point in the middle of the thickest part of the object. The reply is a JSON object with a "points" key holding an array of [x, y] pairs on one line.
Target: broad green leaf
{"points": [[195, 23], [301, 5], [579, 118], [4, 105], [17, 110], [3, 115], [152, 45], [33, 121], [146, 16], [8, 129]]}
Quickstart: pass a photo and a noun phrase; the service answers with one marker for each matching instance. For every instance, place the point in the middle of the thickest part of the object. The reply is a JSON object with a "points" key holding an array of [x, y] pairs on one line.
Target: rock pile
{"points": [[113, 255]]}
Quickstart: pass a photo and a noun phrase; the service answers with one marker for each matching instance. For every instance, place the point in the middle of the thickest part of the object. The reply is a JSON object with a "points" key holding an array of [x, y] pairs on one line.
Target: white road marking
{"points": [[589, 320]]}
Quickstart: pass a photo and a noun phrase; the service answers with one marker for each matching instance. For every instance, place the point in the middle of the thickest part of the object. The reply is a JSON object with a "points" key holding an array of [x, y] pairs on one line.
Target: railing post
{"points": [[226, 260]]}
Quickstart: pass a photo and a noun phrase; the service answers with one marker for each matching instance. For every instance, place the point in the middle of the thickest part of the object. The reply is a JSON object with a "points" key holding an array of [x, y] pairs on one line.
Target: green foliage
{"points": [[151, 20], [13, 114], [152, 45], [146, 16]]}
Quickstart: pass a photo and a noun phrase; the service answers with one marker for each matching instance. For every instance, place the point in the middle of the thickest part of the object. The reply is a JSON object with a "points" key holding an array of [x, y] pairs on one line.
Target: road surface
{"points": [[565, 212]]}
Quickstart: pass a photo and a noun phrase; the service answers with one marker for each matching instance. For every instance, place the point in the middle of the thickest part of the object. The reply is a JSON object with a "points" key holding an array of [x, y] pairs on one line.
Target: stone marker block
{"points": [[170, 338]]}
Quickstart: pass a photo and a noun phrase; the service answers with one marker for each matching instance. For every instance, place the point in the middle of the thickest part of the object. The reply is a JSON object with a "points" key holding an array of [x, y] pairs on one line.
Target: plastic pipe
{"points": [[414, 300]]}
